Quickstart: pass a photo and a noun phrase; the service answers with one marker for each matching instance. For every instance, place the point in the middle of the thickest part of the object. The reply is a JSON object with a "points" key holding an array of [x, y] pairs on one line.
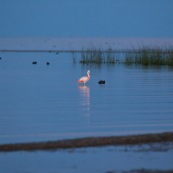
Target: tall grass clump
{"points": [[97, 56], [147, 56], [169, 58]]}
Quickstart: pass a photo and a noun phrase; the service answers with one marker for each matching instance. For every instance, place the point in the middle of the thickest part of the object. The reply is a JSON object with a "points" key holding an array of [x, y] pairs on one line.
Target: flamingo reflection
{"points": [[85, 97]]}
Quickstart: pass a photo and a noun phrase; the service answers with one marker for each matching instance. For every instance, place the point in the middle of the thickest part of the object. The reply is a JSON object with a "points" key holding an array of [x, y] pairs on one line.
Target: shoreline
{"points": [[80, 43], [120, 51], [89, 142], [85, 50]]}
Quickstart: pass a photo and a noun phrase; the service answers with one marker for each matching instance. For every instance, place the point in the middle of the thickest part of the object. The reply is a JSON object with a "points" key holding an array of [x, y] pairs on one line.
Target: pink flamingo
{"points": [[85, 79]]}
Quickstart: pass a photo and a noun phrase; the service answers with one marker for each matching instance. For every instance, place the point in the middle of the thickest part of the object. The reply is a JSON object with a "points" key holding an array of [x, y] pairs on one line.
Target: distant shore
{"points": [[90, 142], [79, 51], [70, 44]]}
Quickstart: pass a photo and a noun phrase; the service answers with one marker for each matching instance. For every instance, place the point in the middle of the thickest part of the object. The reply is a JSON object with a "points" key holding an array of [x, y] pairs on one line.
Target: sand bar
{"points": [[90, 142]]}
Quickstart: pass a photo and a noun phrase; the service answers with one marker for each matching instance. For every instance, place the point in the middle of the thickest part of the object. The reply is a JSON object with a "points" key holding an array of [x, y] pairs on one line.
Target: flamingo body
{"points": [[85, 79]]}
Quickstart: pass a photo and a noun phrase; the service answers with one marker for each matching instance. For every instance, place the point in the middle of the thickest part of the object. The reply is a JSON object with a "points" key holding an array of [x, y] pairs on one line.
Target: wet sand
{"points": [[90, 142]]}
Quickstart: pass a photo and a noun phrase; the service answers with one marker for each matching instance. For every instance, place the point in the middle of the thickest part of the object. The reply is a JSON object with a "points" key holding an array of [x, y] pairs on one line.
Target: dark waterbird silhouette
{"points": [[101, 82], [48, 63], [34, 62]]}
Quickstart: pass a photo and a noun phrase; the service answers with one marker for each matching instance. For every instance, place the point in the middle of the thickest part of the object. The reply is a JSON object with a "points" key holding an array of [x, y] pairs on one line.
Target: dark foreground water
{"points": [[92, 160], [44, 102]]}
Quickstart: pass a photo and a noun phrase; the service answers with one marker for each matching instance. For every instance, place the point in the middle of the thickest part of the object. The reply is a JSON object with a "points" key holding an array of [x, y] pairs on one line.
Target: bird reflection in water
{"points": [[85, 98]]}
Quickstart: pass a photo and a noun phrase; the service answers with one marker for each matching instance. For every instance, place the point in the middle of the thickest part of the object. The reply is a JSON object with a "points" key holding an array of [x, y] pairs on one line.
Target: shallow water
{"points": [[93, 160], [40, 102]]}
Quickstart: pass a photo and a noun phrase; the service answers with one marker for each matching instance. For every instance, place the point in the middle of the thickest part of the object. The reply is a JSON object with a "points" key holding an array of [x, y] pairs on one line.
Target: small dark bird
{"points": [[47, 63], [101, 82], [34, 62], [0, 58]]}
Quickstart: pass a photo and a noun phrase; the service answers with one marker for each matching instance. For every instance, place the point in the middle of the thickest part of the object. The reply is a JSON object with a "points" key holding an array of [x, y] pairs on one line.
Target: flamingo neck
{"points": [[88, 73]]}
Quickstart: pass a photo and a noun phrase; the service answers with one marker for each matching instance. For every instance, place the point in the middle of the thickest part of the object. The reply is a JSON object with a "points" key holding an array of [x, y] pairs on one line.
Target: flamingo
{"points": [[85, 79]]}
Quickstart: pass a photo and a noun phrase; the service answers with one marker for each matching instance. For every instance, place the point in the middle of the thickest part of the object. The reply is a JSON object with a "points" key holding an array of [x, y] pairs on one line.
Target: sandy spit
{"points": [[89, 142]]}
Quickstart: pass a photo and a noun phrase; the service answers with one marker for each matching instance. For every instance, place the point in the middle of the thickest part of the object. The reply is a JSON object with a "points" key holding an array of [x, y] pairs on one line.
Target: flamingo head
{"points": [[88, 72]]}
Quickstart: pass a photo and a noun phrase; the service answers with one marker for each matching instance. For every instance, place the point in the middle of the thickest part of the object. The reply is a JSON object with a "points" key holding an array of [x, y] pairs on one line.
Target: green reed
{"points": [[97, 56], [147, 56], [144, 56]]}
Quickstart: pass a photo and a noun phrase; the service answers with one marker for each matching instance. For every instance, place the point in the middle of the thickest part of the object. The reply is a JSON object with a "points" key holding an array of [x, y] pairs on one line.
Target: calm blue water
{"points": [[118, 159], [40, 102]]}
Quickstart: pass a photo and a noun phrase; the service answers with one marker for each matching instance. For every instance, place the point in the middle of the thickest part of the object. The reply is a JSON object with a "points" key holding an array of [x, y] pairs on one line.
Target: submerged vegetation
{"points": [[144, 56]]}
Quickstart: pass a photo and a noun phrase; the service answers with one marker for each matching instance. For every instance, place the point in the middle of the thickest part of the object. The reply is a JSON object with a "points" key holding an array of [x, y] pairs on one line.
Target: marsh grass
{"points": [[97, 56], [147, 56], [144, 56]]}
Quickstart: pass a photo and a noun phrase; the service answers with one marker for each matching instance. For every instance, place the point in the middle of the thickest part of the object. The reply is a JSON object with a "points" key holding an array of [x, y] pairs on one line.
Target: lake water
{"points": [[44, 102], [93, 160]]}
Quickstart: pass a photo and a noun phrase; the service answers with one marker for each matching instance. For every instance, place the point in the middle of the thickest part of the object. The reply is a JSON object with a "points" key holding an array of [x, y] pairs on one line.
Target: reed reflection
{"points": [[85, 98]]}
